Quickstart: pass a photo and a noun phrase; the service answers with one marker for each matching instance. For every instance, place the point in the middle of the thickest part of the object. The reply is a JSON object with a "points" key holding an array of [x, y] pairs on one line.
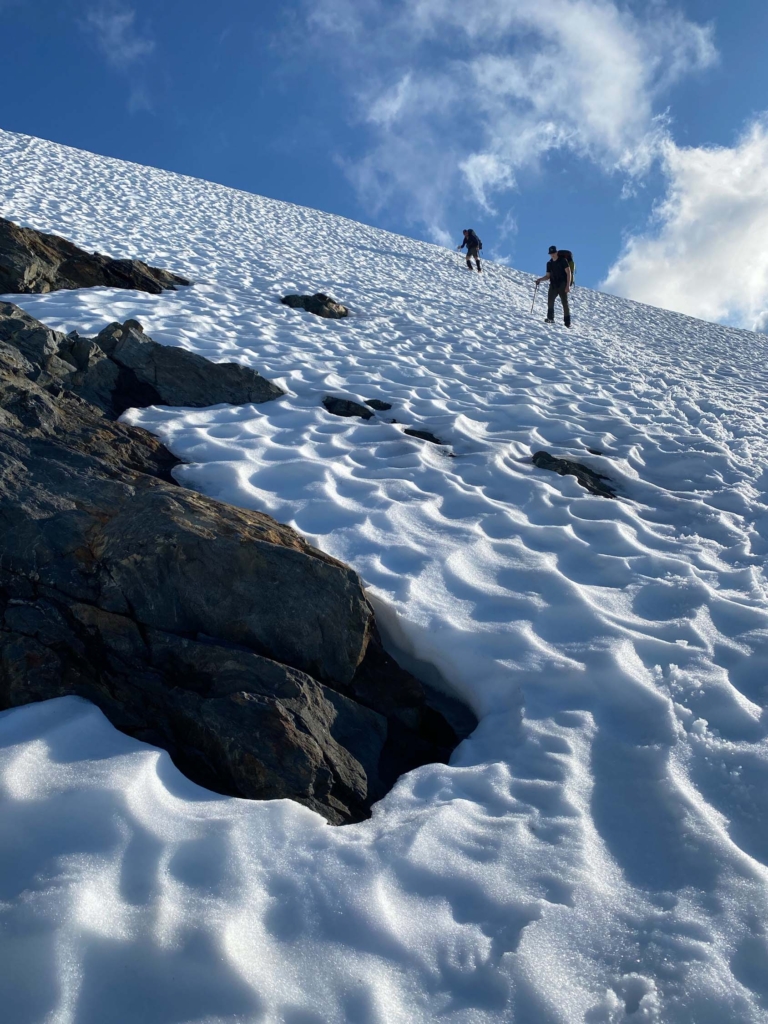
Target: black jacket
{"points": [[471, 241]]}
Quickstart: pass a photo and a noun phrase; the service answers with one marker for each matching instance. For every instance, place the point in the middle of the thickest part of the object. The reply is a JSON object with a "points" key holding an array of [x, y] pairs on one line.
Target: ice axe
{"points": [[534, 295]]}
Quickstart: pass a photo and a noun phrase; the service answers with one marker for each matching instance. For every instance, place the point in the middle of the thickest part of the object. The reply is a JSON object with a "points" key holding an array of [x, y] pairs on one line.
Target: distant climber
{"points": [[474, 245], [560, 279]]}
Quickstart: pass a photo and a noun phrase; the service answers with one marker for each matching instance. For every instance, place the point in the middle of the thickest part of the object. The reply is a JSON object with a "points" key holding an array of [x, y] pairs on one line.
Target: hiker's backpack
{"points": [[566, 254], [472, 239]]}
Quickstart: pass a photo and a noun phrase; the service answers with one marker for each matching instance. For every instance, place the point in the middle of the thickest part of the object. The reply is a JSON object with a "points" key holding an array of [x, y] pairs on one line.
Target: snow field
{"points": [[598, 849]]}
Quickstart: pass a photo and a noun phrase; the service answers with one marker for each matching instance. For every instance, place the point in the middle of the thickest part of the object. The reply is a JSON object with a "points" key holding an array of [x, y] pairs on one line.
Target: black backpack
{"points": [[566, 254], [472, 239]]}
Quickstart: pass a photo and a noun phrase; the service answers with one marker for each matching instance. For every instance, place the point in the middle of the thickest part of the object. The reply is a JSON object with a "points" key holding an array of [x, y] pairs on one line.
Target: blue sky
{"points": [[589, 123]]}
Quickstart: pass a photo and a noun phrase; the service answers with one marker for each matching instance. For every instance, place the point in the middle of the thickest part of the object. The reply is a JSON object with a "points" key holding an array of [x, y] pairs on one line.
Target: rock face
{"points": [[594, 482], [31, 261], [213, 632], [319, 304], [123, 367]]}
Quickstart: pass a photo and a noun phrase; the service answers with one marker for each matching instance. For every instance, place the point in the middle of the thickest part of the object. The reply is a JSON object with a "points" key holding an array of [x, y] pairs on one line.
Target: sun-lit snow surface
{"points": [[598, 851]]}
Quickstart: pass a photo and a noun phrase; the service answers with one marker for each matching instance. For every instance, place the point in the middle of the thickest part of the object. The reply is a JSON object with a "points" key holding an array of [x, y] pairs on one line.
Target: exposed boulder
{"points": [[123, 367], [213, 632], [345, 407], [320, 304], [378, 405], [32, 261], [179, 377], [566, 467]]}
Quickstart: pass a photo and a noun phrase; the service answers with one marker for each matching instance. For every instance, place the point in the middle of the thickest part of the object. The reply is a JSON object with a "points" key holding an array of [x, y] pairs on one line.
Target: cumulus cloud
{"points": [[468, 94], [118, 38], [707, 253]]}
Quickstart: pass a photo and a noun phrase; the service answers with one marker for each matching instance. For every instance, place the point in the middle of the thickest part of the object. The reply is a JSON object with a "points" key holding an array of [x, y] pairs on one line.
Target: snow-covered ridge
{"points": [[598, 851]]}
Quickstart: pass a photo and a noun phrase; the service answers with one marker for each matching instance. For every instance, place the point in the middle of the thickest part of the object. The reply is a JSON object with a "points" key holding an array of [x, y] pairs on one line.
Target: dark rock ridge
{"points": [[423, 435], [378, 405], [320, 304], [213, 632], [32, 261], [566, 467], [123, 367]]}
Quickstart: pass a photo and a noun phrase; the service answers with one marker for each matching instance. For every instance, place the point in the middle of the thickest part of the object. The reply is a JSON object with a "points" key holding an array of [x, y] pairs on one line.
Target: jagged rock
{"points": [[319, 304], [173, 376], [123, 367], [566, 467], [213, 632], [345, 407], [378, 405], [423, 435], [32, 261], [34, 340]]}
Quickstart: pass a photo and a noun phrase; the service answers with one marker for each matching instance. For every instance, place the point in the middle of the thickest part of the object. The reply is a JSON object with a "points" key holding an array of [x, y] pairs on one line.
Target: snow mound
{"points": [[598, 849]]}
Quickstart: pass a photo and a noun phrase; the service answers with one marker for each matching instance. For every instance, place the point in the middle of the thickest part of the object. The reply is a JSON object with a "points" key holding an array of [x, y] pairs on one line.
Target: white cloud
{"points": [[486, 173], [115, 32], [461, 95], [708, 256]]}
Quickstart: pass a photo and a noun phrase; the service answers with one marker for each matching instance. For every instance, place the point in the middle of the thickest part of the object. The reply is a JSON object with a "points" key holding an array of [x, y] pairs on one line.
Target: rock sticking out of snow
{"points": [[423, 435], [215, 633], [124, 368], [320, 304], [345, 407], [32, 261], [566, 467]]}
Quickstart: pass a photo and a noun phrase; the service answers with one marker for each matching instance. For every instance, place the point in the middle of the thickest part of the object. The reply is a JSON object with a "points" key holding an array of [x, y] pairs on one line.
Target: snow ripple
{"points": [[598, 849]]}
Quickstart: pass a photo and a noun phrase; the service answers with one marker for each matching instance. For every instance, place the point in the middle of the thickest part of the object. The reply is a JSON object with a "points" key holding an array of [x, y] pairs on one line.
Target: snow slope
{"points": [[598, 850]]}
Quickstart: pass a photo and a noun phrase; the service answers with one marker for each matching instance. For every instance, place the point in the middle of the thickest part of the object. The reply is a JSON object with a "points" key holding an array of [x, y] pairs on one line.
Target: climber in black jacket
{"points": [[474, 245]]}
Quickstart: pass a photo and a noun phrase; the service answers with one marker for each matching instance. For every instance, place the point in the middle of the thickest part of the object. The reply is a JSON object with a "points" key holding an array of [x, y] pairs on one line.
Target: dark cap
{"points": [[553, 248]]}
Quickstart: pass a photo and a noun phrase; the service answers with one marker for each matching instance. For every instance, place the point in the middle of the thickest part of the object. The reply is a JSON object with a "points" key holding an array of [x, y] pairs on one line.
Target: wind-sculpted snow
{"points": [[598, 850]]}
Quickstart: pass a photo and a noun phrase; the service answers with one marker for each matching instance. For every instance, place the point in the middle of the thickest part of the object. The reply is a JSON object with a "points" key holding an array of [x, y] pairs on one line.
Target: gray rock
{"points": [[378, 405], [320, 304], [32, 261], [594, 482], [122, 367], [345, 407], [34, 340], [183, 378], [213, 632]]}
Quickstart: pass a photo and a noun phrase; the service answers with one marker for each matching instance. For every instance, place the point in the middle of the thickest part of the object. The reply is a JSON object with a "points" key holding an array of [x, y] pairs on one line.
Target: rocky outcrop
{"points": [[32, 261], [213, 632], [123, 367], [320, 304], [594, 482]]}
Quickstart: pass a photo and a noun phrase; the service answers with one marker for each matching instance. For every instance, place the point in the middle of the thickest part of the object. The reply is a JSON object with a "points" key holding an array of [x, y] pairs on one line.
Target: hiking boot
{"points": [[549, 320], [479, 270], [567, 323]]}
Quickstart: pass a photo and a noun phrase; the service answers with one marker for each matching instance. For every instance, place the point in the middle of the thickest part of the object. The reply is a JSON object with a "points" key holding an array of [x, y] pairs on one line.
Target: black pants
{"points": [[552, 294]]}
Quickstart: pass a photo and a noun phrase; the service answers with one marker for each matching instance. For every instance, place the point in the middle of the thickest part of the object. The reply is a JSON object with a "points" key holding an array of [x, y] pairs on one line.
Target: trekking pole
{"points": [[534, 295]]}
